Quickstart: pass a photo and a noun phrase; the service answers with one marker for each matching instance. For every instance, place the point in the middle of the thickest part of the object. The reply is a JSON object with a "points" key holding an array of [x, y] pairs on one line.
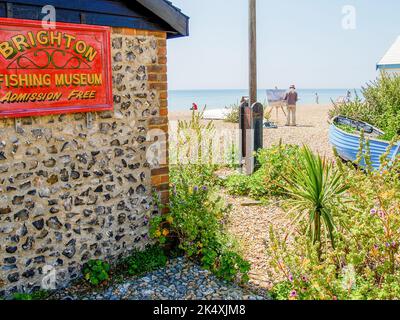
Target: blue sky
{"points": [[299, 41]]}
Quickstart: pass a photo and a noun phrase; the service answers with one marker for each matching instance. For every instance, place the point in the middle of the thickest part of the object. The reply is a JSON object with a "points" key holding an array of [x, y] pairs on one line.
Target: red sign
{"points": [[52, 71]]}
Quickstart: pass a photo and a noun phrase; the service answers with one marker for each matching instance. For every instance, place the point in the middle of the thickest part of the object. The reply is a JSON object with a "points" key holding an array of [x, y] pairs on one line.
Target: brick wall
{"points": [[71, 192]]}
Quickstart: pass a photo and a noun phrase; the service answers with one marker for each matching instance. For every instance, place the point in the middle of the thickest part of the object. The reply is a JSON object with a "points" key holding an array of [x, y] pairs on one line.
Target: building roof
{"points": [[391, 59], [169, 13], [155, 15]]}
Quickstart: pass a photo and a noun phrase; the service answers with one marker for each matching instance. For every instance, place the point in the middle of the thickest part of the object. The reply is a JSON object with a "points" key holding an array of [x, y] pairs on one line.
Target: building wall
{"points": [[80, 186], [392, 71]]}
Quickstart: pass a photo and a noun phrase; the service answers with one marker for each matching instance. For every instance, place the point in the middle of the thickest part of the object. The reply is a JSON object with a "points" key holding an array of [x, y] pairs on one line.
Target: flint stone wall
{"points": [[78, 187]]}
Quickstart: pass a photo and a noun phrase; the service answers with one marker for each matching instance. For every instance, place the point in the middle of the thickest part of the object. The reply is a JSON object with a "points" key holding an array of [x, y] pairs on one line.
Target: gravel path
{"points": [[250, 224], [180, 280]]}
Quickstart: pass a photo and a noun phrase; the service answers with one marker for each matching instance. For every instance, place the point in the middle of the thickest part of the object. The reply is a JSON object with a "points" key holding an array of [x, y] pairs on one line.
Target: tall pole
{"points": [[252, 52], [249, 159]]}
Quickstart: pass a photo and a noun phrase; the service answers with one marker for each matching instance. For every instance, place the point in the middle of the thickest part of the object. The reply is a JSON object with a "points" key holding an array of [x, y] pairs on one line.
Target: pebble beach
{"points": [[312, 127]]}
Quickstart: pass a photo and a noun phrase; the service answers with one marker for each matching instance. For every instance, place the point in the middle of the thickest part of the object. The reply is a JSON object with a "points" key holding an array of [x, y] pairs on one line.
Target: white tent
{"points": [[391, 60]]}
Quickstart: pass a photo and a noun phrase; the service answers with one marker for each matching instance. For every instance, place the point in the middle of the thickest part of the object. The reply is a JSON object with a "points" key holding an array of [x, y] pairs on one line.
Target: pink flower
{"points": [[373, 212], [293, 294]]}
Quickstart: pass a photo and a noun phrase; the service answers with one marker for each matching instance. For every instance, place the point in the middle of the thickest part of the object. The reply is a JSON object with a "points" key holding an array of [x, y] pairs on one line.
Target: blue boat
{"points": [[347, 144]]}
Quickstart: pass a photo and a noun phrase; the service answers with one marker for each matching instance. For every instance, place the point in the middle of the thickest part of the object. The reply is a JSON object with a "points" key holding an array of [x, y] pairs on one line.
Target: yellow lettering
{"points": [[73, 94], [57, 38], [6, 98], [7, 51], [90, 54], [47, 80], [20, 42], [43, 38], [80, 47], [68, 39], [98, 80], [32, 39]]}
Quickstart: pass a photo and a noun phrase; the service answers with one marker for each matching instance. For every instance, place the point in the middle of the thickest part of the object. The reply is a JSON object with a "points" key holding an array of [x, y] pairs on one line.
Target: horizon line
{"points": [[243, 89]]}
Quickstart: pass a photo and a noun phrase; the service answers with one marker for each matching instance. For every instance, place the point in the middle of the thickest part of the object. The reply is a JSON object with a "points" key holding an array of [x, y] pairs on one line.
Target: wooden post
{"points": [[257, 113], [252, 52], [243, 130], [249, 159]]}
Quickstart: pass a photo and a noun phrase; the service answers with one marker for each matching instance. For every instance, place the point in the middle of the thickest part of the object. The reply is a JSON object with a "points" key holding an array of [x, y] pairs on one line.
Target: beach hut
{"points": [[390, 63], [84, 133]]}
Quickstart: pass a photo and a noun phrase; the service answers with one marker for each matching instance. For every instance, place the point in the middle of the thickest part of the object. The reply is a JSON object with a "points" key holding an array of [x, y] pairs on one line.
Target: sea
{"points": [[182, 100]]}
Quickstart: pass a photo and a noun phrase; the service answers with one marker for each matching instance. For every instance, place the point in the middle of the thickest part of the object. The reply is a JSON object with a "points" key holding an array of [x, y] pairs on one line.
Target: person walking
{"points": [[316, 98], [291, 99]]}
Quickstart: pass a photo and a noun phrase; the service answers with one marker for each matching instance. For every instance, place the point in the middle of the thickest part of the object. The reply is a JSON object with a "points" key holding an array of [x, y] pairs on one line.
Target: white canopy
{"points": [[391, 60]]}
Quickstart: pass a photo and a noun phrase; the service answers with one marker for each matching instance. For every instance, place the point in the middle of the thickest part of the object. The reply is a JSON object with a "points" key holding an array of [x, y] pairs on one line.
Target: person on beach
{"points": [[348, 96], [316, 98], [291, 99], [194, 107]]}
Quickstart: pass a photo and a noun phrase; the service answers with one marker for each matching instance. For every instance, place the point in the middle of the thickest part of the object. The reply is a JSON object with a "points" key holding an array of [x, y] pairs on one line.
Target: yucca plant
{"points": [[313, 188]]}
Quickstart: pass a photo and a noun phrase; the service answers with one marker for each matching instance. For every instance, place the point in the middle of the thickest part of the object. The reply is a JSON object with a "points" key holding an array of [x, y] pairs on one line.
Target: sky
{"points": [[310, 43]]}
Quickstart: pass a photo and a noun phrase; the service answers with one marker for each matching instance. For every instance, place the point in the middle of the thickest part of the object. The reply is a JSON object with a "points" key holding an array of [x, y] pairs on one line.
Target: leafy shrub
{"points": [[238, 185], [269, 179], [194, 140], [141, 262], [381, 107], [365, 262], [22, 296], [96, 272], [232, 156], [37, 295], [197, 219], [233, 113], [197, 215]]}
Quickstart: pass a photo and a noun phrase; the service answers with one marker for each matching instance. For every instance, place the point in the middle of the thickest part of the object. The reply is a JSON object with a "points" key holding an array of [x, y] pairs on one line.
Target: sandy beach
{"points": [[312, 128]]}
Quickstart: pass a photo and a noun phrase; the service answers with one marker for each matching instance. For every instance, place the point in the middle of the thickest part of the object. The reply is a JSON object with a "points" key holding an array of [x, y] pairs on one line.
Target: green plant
{"points": [[22, 296], [96, 272], [233, 112], [347, 128], [365, 261], [267, 113], [313, 191], [381, 107], [194, 140], [197, 214], [37, 295], [141, 262], [268, 180], [237, 184], [233, 156], [197, 220]]}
